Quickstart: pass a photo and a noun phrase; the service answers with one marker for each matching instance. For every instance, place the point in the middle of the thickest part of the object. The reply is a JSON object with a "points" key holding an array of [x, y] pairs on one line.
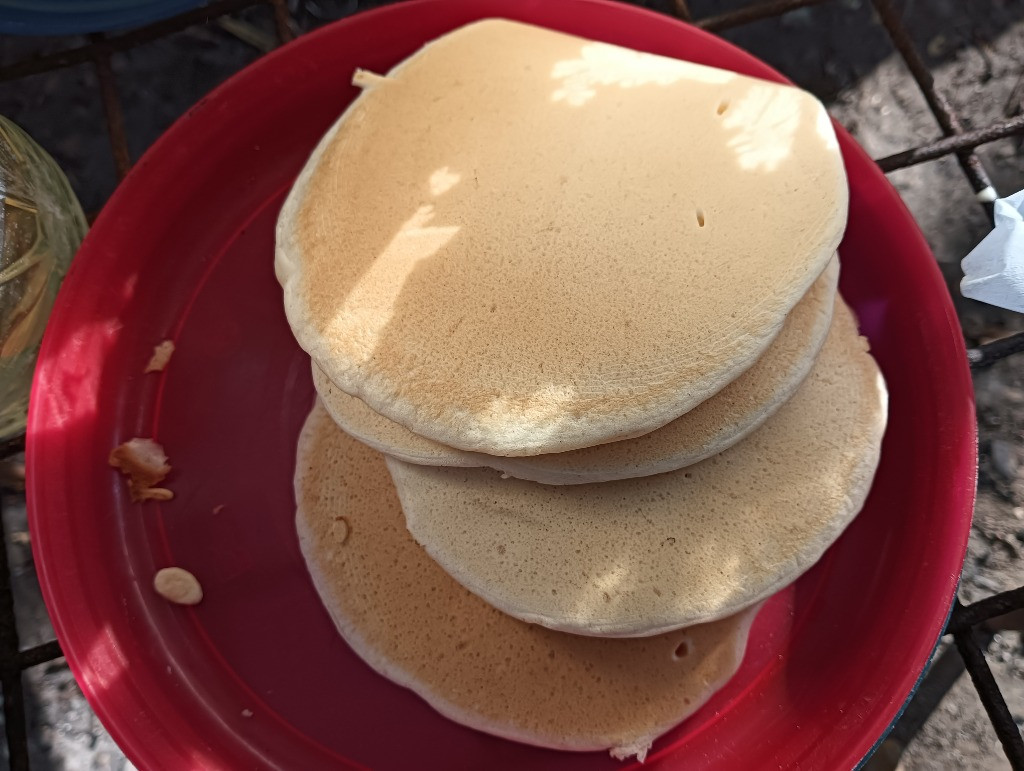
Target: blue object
{"points": [[77, 17]]}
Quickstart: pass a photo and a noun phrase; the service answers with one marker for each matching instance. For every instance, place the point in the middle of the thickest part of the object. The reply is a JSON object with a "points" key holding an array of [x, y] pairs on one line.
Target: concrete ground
{"points": [[837, 50]]}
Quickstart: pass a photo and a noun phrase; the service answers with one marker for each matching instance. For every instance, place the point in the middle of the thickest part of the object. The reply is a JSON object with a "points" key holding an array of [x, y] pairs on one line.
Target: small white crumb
{"points": [[178, 585], [366, 79], [161, 355], [246, 713]]}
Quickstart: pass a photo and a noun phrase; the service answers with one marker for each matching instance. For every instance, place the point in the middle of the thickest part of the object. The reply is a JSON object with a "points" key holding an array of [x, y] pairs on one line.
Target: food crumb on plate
{"points": [[161, 355], [145, 464], [178, 586]]}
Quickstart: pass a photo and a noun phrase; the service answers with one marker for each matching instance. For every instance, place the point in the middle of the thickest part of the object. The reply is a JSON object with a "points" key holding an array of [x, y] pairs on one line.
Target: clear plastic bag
{"points": [[41, 227]]}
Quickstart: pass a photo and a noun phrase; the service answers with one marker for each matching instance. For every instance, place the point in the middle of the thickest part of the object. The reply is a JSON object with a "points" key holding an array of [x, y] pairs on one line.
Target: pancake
{"points": [[522, 242], [644, 556], [411, 622], [706, 430]]}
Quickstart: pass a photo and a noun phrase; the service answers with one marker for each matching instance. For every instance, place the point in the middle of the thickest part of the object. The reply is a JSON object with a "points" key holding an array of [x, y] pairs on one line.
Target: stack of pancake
{"points": [[587, 392]]}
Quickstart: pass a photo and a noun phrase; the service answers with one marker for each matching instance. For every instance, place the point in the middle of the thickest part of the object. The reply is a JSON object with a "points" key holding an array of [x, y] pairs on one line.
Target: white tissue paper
{"points": [[994, 270]]}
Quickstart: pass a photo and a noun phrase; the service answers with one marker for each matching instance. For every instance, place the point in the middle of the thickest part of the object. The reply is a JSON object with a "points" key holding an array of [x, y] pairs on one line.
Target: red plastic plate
{"points": [[255, 676]]}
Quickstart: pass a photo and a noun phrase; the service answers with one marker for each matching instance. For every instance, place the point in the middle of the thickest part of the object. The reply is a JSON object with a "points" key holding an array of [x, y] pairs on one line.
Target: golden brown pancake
{"points": [[522, 242]]}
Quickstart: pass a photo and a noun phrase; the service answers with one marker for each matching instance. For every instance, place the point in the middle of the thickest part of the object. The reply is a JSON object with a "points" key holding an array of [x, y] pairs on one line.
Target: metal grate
{"points": [[971, 625]]}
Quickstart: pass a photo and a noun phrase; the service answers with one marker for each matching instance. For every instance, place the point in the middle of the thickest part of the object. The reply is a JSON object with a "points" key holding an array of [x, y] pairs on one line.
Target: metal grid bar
{"points": [[682, 10], [15, 723], [117, 43], [991, 697], [988, 354], [965, 620], [282, 21], [941, 147], [752, 13], [937, 102], [966, 616], [40, 654], [12, 446], [111, 107]]}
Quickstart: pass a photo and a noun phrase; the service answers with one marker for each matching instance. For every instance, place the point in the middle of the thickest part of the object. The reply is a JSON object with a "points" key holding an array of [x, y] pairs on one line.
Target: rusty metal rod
{"points": [[12, 446], [282, 21], [40, 654], [681, 10], [937, 102], [753, 12], [82, 54], [967, 616], [15, 722], [940, 147], [112, 108], [988, 354], [991, 697]]}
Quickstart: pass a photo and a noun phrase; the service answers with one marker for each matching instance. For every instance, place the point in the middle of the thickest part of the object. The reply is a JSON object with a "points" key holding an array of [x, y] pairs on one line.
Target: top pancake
{"points": [[521, 241]]}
